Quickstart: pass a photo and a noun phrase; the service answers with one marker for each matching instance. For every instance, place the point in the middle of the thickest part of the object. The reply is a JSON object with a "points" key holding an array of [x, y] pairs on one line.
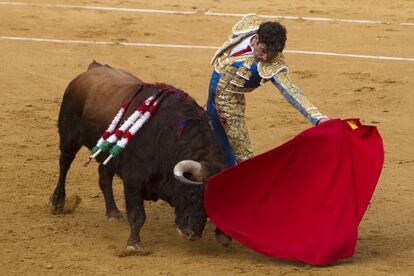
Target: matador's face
{"points": [[260, 51]]}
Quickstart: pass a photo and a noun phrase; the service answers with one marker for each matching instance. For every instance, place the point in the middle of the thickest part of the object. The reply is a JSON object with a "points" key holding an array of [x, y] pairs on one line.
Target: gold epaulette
{"points": [[248, 25], [268, 70]]}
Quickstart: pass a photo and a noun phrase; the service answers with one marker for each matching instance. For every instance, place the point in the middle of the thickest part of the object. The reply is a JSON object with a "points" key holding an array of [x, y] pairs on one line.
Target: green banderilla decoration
{"points": [[114, 152]]}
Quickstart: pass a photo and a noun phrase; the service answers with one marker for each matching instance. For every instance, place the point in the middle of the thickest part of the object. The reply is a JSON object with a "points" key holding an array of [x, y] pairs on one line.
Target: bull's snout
{"points": [[188, 234]]}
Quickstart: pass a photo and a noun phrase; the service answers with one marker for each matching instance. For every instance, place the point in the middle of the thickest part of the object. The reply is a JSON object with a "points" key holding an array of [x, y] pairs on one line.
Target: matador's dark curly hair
{"points": [[273, 35]]}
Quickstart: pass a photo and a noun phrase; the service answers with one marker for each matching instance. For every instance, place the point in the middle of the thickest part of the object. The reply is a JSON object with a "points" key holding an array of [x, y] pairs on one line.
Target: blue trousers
{"points": [[218, 130]]}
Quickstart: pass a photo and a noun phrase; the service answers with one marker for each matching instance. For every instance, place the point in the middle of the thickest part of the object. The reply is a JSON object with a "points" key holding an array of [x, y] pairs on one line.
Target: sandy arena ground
{"points": [[33, 76]]}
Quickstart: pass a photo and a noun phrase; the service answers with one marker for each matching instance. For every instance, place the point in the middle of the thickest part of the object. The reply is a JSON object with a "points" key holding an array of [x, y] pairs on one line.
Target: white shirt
{"points": [[243, 45]]}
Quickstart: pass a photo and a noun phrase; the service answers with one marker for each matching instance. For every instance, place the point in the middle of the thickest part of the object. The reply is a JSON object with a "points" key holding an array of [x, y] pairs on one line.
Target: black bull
{"points": [[146, 165]]}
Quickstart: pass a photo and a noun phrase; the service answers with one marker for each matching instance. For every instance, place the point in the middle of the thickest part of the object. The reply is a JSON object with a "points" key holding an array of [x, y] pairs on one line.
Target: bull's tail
{"points": [[69, 114]]}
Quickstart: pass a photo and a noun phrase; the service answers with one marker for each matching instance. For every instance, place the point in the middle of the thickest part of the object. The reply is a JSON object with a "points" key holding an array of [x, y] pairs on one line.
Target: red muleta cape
{"points": [[304, 199]]}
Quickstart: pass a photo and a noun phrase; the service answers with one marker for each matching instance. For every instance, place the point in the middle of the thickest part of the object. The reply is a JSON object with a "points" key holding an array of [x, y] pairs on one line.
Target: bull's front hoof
{"points": [[223, 239], [188, 236], [114, 215], [134, 250], [56, 204], [135, 247]]}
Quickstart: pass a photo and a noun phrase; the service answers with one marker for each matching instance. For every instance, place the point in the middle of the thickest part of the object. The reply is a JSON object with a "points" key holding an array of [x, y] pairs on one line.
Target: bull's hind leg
{"points": [[106, 175], [67, 154]]}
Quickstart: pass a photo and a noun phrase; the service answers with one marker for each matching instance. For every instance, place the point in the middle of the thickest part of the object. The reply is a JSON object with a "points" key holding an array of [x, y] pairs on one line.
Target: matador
{"points": [[250, 57]]}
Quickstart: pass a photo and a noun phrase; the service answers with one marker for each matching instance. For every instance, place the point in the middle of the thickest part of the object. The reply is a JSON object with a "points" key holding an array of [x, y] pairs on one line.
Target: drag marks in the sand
{"points": [[99, 36], [182, 46], [406, 162], [24, 147], [365, 89], [96, 8], [195, 12], [369, 84], [305, 74]]}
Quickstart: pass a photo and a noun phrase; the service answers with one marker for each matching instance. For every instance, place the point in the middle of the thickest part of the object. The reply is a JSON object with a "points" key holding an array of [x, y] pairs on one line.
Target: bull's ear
{"points": [[189, 166], [94, 64]]}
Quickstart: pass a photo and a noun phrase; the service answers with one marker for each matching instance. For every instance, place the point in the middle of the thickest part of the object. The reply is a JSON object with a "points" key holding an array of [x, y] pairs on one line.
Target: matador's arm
{"points": [[295, 97]]}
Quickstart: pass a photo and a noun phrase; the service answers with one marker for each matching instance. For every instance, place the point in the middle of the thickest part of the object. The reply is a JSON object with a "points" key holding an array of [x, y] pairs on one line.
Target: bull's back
{"points": [[97, 94], [93, 98]]}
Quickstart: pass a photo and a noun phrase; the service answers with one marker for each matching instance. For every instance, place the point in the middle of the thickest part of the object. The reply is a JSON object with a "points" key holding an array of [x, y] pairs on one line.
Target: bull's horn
{"points": [[190, 166]]}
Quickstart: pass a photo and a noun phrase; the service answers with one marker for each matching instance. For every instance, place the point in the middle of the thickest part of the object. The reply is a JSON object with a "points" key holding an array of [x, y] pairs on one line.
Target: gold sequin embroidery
{"points": [[295, 92], [230, 110], [268, 70], [244, 73], [248, 24]]}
